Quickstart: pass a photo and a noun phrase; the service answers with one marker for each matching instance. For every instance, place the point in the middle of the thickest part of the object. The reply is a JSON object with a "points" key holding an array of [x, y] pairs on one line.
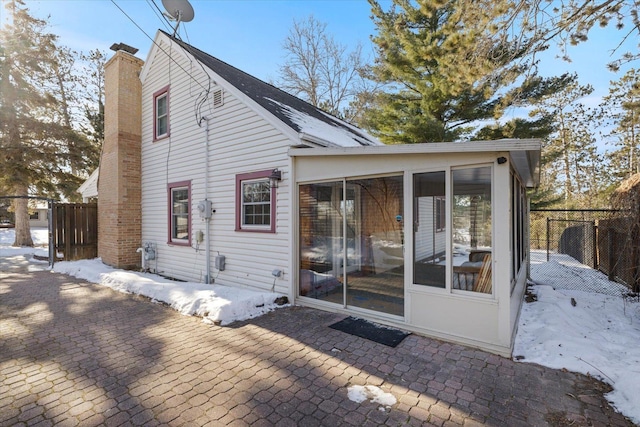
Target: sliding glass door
{"points": [[352, 243]]}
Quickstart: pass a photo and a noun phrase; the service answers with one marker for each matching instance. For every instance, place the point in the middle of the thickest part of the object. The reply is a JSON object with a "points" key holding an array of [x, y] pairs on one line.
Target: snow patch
{"points": [[340, 136], [39, 235], [359, 394], [599, 335], [215, 303]]}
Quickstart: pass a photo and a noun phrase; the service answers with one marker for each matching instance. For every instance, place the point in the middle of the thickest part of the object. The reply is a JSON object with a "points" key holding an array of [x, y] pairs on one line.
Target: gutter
{"points": [[314, 139]]}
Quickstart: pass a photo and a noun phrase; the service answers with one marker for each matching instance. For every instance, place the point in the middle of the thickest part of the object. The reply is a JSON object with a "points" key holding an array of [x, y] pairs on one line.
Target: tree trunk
{"points": [[23, 230]]}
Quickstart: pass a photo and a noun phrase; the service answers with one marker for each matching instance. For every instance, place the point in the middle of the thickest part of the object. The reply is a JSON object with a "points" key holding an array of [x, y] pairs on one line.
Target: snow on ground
{"points": [[359, 394], [215, 303], [40, 237], [598, 335]]}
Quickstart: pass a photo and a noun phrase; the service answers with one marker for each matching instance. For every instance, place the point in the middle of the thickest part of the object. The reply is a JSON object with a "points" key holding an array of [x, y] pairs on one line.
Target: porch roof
{"points": [[524, 153]]}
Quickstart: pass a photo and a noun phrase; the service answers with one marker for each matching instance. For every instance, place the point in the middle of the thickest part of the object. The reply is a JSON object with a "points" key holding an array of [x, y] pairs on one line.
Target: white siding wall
{"points": [[42, 220], [428, 241], [240, 141]]}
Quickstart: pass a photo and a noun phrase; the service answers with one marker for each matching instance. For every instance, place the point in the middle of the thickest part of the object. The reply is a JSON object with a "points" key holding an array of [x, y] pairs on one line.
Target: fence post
{"points": [[594, 235], [548, 238], [52, 250], [611, 244], [635, 258], [68, 233]]}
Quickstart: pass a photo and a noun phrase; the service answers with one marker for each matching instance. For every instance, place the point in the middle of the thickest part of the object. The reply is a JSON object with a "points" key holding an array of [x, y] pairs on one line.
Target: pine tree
{"points": [[568, 23], [572, 168], [621, 111], [571, 159], [93, 105], [448, 67], [41, 151], [21, 128]]}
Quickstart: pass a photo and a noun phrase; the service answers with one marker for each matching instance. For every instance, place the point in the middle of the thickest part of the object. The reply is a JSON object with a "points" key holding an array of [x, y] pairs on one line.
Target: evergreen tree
{"points": [[41, 152], [93, 105], [621, 112], [569, 22], [571, 161], [447, 68]]}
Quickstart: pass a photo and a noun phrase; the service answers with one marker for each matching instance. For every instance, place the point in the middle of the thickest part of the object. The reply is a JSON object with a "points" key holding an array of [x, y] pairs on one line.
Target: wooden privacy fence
{"points": [[75, 231]]}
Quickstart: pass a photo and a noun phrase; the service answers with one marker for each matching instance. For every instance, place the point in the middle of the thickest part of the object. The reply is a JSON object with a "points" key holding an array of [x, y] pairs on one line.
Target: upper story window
{"points": [[180, 213], [161, 114], [255, 202]]}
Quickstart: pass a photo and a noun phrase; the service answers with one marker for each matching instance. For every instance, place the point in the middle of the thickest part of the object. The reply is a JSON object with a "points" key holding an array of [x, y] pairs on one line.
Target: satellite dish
{"points": [[179, 11]]}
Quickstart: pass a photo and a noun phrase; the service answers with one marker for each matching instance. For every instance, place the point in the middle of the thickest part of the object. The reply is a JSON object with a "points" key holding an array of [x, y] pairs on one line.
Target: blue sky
{"points": [[248, 34]]}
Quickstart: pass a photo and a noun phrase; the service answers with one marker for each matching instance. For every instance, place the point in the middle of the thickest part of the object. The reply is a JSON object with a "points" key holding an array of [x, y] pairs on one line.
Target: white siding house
{"points": [[89, 188], [247, 186], [38, 214], [219, 133]]}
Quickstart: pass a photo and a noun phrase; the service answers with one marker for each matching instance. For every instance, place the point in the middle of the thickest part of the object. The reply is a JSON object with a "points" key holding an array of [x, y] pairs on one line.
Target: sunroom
{"points": [[432, 238]]}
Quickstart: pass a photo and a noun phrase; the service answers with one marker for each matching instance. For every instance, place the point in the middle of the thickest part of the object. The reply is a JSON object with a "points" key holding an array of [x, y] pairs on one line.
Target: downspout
{"points": [[207, 216], [143, 261]]}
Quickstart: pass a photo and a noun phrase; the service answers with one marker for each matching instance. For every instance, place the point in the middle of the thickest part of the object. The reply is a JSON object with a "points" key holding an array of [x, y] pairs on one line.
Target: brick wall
{"points": [[119, 187]]}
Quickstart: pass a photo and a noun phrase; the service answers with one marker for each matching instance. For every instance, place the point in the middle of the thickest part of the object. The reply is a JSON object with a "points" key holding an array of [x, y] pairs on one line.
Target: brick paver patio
{"points": [[73, 353]]}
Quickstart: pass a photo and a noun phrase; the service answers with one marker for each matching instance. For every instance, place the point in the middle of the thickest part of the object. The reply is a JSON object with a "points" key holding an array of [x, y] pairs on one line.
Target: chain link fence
{"points": [[619, 252], [579, 238]]}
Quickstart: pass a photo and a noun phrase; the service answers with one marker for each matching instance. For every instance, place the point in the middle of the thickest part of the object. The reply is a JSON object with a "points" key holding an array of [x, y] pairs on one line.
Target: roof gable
{"points": [[310, 123], [89, 188]]}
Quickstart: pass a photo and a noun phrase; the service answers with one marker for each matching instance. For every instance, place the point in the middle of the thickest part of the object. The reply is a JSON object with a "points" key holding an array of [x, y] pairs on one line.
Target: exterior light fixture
{"points": [[502, 160], [275, 177]]}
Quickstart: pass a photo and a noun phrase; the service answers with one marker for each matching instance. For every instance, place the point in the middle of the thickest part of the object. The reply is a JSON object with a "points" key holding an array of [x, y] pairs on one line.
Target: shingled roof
{"points": [[301, 116]]}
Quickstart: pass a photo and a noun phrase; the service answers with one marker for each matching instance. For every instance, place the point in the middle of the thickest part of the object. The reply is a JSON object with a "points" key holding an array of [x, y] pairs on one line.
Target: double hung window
{"points": [[161, 114], [180, 213], [255, 202]]}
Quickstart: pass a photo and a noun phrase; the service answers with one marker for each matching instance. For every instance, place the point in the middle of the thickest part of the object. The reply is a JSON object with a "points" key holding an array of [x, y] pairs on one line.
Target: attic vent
{"points": [[218, 98]]}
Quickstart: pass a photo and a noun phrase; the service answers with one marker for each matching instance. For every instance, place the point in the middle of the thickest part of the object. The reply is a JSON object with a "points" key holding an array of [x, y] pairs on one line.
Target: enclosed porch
{"points": [[428, 237]]}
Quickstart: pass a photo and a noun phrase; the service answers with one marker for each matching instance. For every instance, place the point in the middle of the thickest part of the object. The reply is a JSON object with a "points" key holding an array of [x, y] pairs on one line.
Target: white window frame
{"points": [[157, 97], [261, 177], [172, 188]]}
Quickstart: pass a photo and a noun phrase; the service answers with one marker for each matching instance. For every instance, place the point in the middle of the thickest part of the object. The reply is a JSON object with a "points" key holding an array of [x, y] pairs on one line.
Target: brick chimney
{"points": [[119, 186]]}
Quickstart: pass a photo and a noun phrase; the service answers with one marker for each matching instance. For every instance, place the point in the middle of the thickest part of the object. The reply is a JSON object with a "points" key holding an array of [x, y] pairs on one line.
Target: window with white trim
{"points": [[180, 213], [161, 113], [255, 202]]}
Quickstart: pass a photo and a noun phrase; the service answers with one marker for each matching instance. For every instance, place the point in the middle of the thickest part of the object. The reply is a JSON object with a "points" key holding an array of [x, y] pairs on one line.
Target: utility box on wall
{"points": [[205, 209], [218, 262]]}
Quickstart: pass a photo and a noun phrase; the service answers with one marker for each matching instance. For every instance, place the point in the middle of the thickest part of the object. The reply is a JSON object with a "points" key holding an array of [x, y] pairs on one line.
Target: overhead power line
{"points": [[159, 47]]}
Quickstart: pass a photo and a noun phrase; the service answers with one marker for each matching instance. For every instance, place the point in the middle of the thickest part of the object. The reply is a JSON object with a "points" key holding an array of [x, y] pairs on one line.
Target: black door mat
{"points": [[371, 331]]}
